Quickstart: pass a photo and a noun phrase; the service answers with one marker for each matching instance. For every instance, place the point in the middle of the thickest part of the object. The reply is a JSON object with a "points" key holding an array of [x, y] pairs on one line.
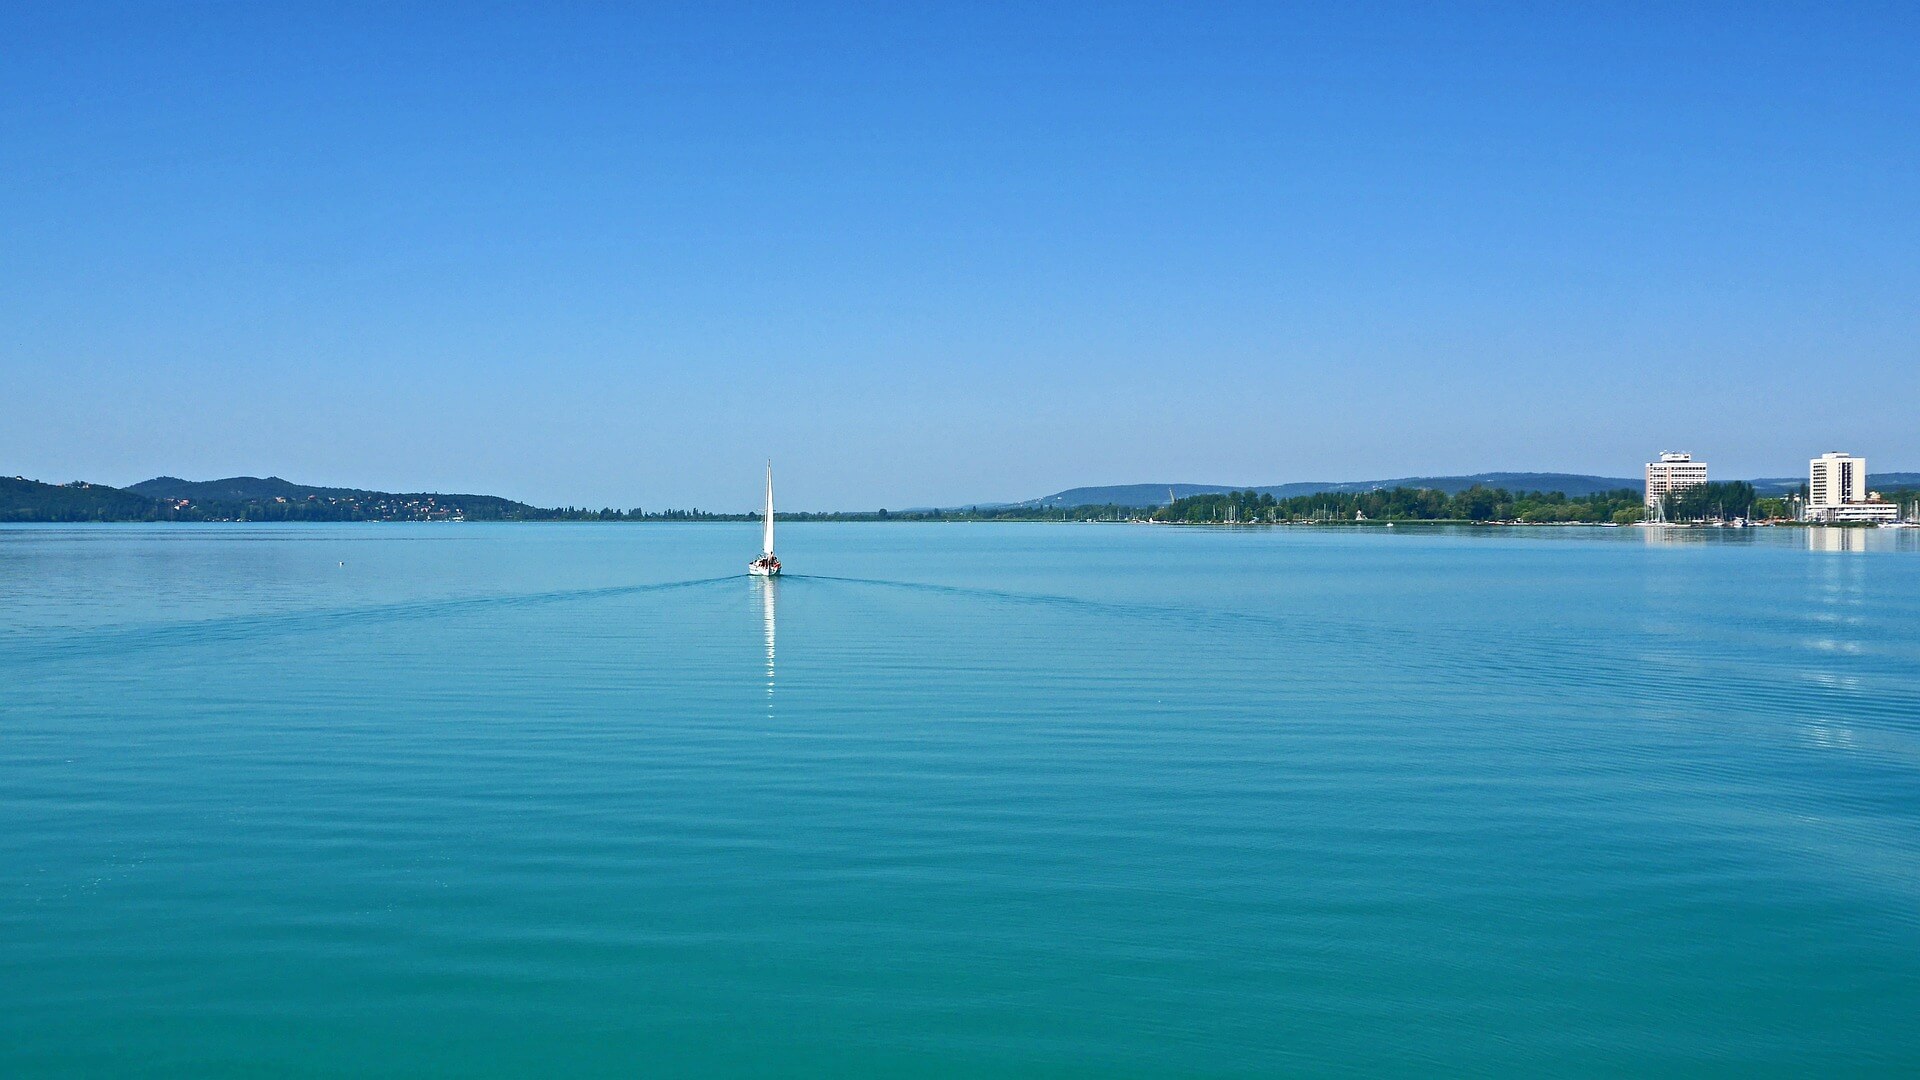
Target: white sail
{"points": [[768, 564], [766, 526]]}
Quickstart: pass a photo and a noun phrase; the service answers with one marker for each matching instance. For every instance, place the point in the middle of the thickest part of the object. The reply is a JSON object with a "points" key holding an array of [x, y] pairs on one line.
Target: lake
{"points": [[961, 799]]}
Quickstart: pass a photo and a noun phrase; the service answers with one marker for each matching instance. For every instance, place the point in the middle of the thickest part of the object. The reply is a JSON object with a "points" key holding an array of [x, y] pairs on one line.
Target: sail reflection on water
{"points": [[769, 590]]}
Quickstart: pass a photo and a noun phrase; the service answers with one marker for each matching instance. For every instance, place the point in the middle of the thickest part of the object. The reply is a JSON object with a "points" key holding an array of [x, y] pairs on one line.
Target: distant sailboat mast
{"points": [[766, 527]]}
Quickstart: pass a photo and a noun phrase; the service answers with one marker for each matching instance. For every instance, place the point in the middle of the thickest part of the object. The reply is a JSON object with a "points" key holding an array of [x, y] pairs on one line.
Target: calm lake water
{"points": [[958, 799]]}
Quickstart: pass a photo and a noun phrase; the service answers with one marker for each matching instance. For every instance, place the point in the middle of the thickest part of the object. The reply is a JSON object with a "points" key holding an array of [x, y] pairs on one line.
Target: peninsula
{"points": [[252, 498]]}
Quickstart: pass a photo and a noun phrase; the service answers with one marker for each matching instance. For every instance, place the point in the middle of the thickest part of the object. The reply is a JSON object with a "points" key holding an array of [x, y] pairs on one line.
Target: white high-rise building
{"points": [[1837, 491], [1836, 479], [1671, 473]]}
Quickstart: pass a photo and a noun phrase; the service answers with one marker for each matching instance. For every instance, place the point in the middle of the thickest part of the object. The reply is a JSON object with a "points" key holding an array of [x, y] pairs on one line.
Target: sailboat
{"points": [[766, 565]]}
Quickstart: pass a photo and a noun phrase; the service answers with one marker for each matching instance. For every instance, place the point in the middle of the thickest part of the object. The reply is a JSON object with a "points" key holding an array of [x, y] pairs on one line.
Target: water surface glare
{"points": [[958, 799]]}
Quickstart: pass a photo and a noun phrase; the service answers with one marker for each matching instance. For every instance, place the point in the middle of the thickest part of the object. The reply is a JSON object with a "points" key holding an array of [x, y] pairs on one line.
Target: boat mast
{"points": [[766, 527]]}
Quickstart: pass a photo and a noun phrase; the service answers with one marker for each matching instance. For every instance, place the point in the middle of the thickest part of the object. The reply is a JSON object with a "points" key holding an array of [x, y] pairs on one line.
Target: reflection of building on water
{"points": [[1818, 537], [769, 589], [1831, 539], [1834, 608]]}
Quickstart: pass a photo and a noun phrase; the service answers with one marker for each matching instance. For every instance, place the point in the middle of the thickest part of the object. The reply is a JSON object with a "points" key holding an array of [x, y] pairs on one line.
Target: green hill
{"points": [[237, 489], [252, 498], [271, 498], [22, 499], [1149, 495]]}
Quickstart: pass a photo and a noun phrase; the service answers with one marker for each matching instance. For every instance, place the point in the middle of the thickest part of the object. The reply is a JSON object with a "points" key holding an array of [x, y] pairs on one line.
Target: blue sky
{"points": [[619, 254]]}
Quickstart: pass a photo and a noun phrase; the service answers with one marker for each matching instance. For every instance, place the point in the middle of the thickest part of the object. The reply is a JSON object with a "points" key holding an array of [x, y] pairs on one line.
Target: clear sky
{"points": [[622, 253]]}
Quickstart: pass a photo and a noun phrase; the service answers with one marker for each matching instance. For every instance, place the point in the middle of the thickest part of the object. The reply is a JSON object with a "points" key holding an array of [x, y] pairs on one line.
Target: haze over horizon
{"points": [[601, 256]]}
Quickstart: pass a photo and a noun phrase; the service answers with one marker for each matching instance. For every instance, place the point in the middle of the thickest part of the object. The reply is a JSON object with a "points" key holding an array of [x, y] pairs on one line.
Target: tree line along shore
{"points": [[1624, 506]]}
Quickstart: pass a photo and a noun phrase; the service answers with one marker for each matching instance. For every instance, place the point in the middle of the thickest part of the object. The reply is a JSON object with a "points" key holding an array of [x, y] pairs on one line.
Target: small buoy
{"points": [[343, 562]]}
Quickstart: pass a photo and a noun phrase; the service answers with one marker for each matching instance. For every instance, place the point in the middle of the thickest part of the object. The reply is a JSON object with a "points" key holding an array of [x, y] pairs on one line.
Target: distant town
{"points": [[1835, 493], [1678, 492]]}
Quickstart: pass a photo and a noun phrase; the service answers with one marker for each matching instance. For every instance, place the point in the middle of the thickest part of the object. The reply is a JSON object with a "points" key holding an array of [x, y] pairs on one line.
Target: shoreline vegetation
{"points": [[1716, 503], [252, 499]]}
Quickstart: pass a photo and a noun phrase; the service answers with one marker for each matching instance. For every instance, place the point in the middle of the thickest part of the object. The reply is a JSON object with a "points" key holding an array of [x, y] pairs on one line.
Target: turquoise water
{"points": [[958, 799]]}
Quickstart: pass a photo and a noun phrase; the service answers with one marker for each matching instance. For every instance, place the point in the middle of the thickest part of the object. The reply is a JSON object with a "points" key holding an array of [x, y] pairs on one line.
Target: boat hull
{"points": [[766, 566]]}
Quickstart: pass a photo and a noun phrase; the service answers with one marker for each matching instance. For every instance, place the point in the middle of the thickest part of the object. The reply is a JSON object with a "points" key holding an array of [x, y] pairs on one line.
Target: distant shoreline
{"points": [[255, 500], [905, 519]]}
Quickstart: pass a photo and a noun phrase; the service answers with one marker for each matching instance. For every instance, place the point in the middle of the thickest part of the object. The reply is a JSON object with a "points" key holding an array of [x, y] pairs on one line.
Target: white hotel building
{"points": [[1837, 492], [1671, 473]]}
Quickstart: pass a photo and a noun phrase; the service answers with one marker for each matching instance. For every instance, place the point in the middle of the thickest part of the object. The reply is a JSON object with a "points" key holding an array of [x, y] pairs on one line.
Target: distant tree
{"points": [[1710, 501]]}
